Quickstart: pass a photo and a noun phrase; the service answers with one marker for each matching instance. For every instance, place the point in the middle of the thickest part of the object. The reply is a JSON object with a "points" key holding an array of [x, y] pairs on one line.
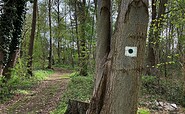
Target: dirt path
{"points": [[42, 99]]}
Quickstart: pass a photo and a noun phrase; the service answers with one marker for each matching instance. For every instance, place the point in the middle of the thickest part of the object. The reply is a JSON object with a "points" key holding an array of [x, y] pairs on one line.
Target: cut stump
{"points": [[77, 107]]}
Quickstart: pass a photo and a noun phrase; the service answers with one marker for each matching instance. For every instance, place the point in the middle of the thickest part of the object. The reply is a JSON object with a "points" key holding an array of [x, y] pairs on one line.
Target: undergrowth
{"points": [[67, 67], [79, 88], [165, 89], [20, 82]]}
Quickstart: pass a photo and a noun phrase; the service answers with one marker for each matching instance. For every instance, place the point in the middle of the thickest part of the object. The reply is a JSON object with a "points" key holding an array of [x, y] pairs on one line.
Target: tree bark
{"points": [[15, 38], [83, 48], [103, 34], [76, 107], [32, 38], [118, 87], [6, 32]]}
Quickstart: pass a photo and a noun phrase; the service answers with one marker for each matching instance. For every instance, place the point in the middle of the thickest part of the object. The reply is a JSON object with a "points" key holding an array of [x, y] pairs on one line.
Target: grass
{"points": [[19, 91], [65, 76], [79, 88], [42, 74], [143, 111], [19, 84], [28, 82]]}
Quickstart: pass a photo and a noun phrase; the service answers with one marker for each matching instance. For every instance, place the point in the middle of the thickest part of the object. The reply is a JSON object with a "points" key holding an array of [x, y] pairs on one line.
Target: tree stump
{"points": [[77, 107]]}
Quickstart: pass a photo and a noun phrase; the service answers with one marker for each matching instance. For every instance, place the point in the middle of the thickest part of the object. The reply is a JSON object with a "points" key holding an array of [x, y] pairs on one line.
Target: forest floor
{"points": [[42, 98], [158, 106], [45, 96]]}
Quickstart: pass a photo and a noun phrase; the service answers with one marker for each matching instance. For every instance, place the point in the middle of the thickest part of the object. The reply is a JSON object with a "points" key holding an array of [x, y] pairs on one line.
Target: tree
{"points": [[41, 43], [104, 35], [83, 49], [76, 25], [6, 33], [154, 34], [32, 37], [58, 21], [50, 37], [11, 23], [117, 89]]}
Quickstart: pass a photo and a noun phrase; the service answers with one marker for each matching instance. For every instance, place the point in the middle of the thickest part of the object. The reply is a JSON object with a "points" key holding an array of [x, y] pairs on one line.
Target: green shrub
{"points": [[4, 90], [149, 84]]}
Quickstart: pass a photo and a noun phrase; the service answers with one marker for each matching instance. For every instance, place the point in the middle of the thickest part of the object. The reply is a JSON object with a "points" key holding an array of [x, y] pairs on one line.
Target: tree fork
{"points": [[117, 84]]}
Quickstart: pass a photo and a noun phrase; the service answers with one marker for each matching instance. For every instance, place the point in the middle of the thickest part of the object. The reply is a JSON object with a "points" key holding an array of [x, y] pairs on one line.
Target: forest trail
{"points": [[42, 99]]}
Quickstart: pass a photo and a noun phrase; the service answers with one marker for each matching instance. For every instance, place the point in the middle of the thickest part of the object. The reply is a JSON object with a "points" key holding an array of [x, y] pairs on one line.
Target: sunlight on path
{"points": [[43, 99]]}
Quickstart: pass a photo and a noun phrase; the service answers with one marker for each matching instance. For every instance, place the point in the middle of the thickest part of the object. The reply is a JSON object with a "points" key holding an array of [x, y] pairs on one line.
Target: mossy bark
{"points": [[11, 23]]}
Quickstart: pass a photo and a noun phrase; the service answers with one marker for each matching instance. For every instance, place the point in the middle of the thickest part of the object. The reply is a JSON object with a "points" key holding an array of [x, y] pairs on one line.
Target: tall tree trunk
{"points": [[83, 48], [32, 37], [118, 88], [103, 34], [6, 32], [154, 34], [151, 51], [76, 25], [16, 38], [91, 45], [50, 36], [72, 38], [102, 51], [58, 21]]}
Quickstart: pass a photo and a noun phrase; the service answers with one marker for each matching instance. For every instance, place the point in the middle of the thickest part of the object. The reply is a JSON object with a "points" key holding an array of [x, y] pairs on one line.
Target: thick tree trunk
{"points": [[118, 87], [11, 63], [6, 32], [14, 47], [104, 34], [32, 38]]}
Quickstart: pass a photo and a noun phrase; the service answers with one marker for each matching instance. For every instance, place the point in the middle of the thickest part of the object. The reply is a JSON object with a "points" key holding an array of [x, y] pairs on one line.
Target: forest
{"points": [[92, 57]]}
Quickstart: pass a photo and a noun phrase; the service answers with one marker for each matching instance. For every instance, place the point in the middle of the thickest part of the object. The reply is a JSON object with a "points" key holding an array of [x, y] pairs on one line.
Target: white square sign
{"points": [[131, 51]]}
